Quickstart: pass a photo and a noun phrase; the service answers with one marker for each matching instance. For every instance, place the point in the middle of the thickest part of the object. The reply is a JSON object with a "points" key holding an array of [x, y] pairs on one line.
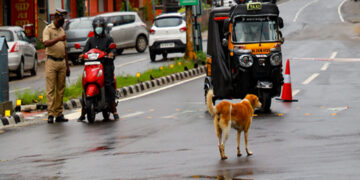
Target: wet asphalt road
{"points": [[168, 135]]}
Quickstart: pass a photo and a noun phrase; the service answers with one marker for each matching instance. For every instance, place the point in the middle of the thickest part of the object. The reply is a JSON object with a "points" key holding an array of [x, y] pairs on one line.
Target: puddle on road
{"points": [[227, 175], [100, 148], [216, 177]]}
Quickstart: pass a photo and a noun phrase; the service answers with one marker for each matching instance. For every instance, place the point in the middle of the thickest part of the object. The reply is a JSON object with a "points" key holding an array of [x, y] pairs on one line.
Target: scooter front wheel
{"points": [[90, 110], [265, 100]]}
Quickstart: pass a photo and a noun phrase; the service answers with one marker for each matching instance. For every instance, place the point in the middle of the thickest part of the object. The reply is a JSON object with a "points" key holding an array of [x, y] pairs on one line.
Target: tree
{"points": [[189, 52]]}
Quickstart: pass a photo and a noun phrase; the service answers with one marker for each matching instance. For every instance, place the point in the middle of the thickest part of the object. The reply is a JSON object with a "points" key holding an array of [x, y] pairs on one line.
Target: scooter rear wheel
{"points": [[90, 110]]}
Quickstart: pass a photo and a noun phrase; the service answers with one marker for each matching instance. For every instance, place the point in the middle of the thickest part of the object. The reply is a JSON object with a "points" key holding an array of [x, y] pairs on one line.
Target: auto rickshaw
{"points": [[244, 52]]}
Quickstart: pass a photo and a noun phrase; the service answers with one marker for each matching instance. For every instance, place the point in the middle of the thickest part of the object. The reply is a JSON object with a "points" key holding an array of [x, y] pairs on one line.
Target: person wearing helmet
{"points": [[102, 41]]}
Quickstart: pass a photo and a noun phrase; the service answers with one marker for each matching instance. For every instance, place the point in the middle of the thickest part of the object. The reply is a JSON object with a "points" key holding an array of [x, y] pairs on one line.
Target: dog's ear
{"points": [[253, 100]]}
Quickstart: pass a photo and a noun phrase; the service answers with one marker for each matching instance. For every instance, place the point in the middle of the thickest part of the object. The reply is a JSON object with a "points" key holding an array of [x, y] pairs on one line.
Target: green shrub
{"points": [[75, 90]]}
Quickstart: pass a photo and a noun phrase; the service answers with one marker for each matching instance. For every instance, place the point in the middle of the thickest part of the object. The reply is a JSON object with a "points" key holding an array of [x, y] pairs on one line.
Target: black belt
{"points": [[54, 58]]}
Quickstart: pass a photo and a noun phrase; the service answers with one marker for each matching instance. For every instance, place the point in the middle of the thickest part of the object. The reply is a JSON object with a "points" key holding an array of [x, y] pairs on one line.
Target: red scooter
{"points": [[93, 95]]}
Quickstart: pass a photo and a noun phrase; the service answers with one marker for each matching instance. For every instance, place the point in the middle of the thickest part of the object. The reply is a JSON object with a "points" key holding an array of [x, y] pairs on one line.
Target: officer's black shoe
{"points": [[81, 118], [116, 117], [51, 119], [61, 118]]}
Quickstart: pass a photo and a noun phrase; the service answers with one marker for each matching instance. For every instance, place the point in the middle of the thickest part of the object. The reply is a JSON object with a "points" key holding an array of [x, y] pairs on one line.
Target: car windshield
{"points": [[79, 24], [259, 29], [7, 34], [168, 21]]}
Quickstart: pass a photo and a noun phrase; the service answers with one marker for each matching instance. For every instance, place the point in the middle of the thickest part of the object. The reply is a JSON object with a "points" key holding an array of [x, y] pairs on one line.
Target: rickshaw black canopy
{"points": [[268, 9], [220, 68]]}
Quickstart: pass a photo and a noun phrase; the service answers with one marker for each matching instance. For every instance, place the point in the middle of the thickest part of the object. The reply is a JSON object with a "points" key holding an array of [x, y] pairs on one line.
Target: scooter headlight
{"points": [[100, 73], [246, 60], [93, 56], [276, 59]]}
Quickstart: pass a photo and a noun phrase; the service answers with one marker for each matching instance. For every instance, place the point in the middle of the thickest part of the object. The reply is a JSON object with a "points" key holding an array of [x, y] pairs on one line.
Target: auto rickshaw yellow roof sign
{"points": [[254, 6]]}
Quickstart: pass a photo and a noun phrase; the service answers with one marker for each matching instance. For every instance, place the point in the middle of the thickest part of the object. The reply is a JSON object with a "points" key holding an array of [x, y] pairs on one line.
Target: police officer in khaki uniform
{"points": [[56, 66]]}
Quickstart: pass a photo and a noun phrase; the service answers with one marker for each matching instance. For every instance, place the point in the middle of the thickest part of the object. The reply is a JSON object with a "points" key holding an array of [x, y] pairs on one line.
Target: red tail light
{"points": [[183, 29], [91, 34], [152, 31], [15, 48]]}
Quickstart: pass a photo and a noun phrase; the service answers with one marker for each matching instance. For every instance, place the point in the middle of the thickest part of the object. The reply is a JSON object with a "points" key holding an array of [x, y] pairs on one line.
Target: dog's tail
{"points": [[209, 102]]}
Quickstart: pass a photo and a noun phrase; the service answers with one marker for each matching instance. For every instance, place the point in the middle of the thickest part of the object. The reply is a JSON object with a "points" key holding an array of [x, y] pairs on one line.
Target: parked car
{"points": [[21, 54], [167, 35], [78, 30], [127, 30]]}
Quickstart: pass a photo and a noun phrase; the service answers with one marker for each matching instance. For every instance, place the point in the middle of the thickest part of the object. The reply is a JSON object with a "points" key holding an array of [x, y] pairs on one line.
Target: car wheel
{"points": [[20, 70], [119, 51], [34, 69], [164, 56], [141, 44], [152, 56]]}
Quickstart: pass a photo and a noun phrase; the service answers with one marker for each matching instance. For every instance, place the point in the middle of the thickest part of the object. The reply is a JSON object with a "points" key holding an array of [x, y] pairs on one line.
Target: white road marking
{"points": [[22, 89], [339, 11], [175, 114], [328, 59], [132, 62], [300, 10], [338, 109], [160, 89], [333, 55], [312, 77], [326, 65], [131, 115], [73, 116], [295, 92]]}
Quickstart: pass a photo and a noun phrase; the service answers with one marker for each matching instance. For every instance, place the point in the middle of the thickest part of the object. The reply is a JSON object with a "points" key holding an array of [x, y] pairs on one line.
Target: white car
{"points": [[167, 35], [21, 53], [128, 30]]}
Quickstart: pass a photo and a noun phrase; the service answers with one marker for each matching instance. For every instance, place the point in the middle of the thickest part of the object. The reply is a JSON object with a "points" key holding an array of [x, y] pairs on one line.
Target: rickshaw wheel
{"points": [[265, 99]]}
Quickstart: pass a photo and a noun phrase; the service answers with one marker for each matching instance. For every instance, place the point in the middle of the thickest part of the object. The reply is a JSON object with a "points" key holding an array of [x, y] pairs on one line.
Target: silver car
{"points": [[77, 30], [21, 53], [127, 30]]}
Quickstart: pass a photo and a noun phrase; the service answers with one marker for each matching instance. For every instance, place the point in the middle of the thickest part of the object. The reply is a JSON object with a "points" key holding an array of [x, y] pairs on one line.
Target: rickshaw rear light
{"points": [[221, 18], [152, 31]]}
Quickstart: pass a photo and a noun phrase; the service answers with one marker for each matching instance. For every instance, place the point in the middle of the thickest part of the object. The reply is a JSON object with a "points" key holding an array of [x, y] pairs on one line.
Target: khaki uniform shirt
{"points": [[58, 49]]}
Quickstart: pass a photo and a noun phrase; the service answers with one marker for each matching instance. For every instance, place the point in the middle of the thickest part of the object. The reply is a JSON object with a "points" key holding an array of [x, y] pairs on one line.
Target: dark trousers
{"points": [[109, 81]]}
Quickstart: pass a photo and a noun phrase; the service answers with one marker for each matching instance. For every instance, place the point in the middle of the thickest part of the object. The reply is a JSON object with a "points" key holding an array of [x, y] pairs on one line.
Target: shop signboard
{"points": [[189, 2], [24, 12]]}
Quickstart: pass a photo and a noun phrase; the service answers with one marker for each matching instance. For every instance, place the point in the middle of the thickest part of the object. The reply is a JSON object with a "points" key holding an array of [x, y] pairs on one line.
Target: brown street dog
{"points": [[238, 116]]}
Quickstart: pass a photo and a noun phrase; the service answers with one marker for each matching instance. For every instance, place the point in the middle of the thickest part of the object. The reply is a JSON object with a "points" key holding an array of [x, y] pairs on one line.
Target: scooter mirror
{"points": [[77, 46], [112, 46], [225, 42]]}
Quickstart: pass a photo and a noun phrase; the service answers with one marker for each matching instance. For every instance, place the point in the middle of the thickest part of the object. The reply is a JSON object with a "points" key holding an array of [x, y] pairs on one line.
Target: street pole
{"points": [[153, 5], [88, 7]]}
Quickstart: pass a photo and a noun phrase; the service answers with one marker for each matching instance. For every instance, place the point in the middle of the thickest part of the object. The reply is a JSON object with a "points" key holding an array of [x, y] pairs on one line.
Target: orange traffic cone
{"points": [[286, 90]]}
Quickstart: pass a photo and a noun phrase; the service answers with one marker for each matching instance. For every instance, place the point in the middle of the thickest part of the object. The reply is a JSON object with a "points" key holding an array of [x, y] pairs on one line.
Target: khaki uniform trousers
{"points": [[55, 86]]}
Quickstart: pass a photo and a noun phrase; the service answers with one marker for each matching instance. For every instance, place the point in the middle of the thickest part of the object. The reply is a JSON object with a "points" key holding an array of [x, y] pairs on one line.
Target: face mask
{"points": [[61, 22], [98, 30]]}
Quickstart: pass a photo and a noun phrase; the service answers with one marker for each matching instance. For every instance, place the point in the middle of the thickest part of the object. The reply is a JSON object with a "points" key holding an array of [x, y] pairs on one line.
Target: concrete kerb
{"points": [[12, 120], [128, 90]]}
